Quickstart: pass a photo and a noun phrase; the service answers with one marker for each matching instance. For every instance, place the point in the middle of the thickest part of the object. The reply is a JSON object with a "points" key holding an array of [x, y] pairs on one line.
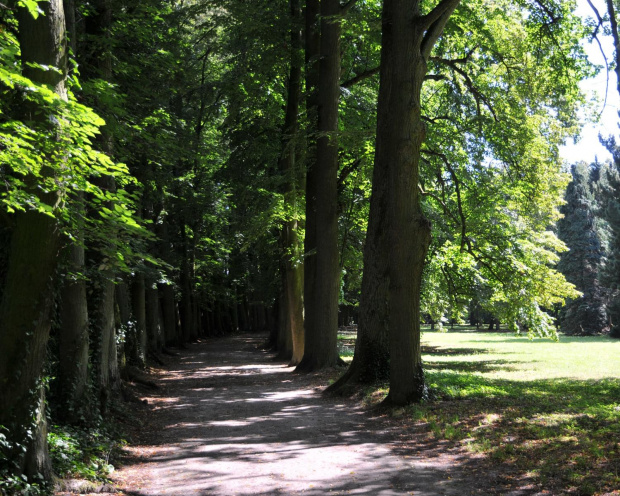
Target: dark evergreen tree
{"points": [[609, 192], [583, 262]]}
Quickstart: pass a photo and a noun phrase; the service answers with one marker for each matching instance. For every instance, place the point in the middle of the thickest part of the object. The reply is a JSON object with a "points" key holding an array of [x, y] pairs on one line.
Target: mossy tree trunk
{"points": [[33, 254]]}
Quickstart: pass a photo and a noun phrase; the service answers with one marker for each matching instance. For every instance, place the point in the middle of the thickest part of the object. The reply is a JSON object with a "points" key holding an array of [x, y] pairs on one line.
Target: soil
{"points": [[228, 420]]}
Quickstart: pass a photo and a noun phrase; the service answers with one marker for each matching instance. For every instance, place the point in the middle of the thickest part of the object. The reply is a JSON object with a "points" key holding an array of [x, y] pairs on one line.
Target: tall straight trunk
{"points": [[102, 311], [138, 307], [33, 253], [291, 306], [73, 339], [322, 315], [152, 321], [166, 292], [312, 53], [407, 40]]}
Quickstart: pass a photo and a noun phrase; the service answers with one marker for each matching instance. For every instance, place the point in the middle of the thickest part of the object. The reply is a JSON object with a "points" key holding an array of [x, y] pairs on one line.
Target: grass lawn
{"points": [[549, 409]]}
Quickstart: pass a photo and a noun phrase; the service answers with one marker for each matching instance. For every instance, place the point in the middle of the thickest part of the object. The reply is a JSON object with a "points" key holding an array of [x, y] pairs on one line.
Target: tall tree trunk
{"points": [[407, 40], [291, 305], [371, 361], [73, 340], [33, 253], [312, 54], [138, 306], [73, 332], [321, 328], [102, 311]]}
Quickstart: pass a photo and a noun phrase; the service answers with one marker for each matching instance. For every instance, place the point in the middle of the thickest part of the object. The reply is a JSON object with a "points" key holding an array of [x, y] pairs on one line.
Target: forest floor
{"points": [[229, 420]]}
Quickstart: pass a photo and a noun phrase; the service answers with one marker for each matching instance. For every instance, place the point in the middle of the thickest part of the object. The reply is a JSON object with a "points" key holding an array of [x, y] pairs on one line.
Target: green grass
{"points": [[549, 410]]}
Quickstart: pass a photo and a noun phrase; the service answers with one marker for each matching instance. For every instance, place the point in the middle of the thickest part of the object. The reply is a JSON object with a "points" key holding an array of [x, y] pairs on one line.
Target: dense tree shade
{"points": [[175, 170]]}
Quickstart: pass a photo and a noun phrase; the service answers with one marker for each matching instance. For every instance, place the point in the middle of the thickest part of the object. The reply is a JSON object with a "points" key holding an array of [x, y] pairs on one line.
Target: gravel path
{"points": [[229, 420]]}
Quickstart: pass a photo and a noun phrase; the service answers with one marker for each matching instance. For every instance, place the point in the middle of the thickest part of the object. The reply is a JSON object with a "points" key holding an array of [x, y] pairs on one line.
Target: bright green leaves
{"points": [[501, 97], [51, 155], [32, 6]]}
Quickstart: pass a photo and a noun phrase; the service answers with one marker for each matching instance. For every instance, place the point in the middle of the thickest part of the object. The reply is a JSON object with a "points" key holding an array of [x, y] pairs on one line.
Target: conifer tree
{"points": [[582, 263]]}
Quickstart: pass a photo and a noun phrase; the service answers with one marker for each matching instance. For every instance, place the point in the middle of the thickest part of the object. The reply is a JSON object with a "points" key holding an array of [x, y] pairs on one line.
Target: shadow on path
{"points": [[230, 421]]}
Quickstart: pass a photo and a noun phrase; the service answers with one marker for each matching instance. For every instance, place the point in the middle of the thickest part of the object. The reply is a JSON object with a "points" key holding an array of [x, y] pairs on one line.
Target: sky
{"points": [[589, 147]]}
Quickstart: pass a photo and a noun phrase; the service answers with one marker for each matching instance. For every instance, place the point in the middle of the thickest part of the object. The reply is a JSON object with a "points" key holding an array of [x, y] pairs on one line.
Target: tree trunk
{"points": [[73, 340], [371, 361], [167, 305], [138, 306], [407, 40], [152, 321], [291, 325], [33, 253], [321, 314]]}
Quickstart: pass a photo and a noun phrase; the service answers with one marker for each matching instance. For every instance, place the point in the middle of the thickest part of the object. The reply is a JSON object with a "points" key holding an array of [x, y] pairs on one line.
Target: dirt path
{"points": [[230, 421]]}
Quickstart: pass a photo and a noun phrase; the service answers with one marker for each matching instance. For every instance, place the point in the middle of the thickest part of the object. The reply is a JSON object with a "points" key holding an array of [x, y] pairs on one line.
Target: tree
{"points": [[583, 262], [26, 297], [484, 159]]}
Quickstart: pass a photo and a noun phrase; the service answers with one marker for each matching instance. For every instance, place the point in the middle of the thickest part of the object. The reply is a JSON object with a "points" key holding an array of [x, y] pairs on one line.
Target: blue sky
{"points": [[589, 147]]}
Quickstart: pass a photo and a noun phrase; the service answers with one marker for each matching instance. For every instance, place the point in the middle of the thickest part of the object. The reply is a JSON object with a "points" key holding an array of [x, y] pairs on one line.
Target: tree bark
{"points": [[321, 328], [33, 253], [138, 306], [407, 40], [371, 361], [73, 339], [291, 345], [168, 311]]}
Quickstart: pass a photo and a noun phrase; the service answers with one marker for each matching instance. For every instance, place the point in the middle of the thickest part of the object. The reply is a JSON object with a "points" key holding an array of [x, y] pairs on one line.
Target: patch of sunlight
{"points": [[229, 423]]}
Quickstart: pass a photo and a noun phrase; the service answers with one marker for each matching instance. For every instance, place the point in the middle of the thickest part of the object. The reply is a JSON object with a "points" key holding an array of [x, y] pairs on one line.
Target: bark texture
{"points": [[73, 339], [292, 281], [398, 233], [407, 40], [33, 253], [321, 293]]}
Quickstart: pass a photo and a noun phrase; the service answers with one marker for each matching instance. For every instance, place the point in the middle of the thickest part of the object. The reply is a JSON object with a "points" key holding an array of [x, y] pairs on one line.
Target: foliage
{"points": [[58, 155], [492, 180], [583, 262], [85, 454]]}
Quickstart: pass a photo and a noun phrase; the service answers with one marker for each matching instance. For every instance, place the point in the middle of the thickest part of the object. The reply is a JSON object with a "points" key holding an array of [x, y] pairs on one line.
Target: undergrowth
{"points": [[84, 453]]}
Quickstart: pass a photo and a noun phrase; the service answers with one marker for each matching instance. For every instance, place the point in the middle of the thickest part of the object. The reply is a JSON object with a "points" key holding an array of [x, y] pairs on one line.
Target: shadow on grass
{"points": [[564, 432], [441, 351], [477, 366]]}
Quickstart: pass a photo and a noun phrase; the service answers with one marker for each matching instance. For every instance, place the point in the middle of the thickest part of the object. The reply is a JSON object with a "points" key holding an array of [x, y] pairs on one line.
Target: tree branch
{"points": [[346, 172], [360, 77], [457, 185], [434, 23], [344, 9], [614, 31], [479, 97]]}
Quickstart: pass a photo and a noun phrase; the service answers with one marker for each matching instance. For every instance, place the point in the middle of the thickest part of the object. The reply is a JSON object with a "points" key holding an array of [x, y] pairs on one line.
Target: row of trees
{"points": [[180, 169]]}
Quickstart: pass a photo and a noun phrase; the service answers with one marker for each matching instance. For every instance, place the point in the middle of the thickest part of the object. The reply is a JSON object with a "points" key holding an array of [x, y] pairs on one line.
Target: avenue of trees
{"points": [[178, 169]]}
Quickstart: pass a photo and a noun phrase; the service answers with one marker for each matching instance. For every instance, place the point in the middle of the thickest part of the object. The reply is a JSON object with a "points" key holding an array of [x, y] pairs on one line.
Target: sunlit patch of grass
{"points": [[550, 410]]}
